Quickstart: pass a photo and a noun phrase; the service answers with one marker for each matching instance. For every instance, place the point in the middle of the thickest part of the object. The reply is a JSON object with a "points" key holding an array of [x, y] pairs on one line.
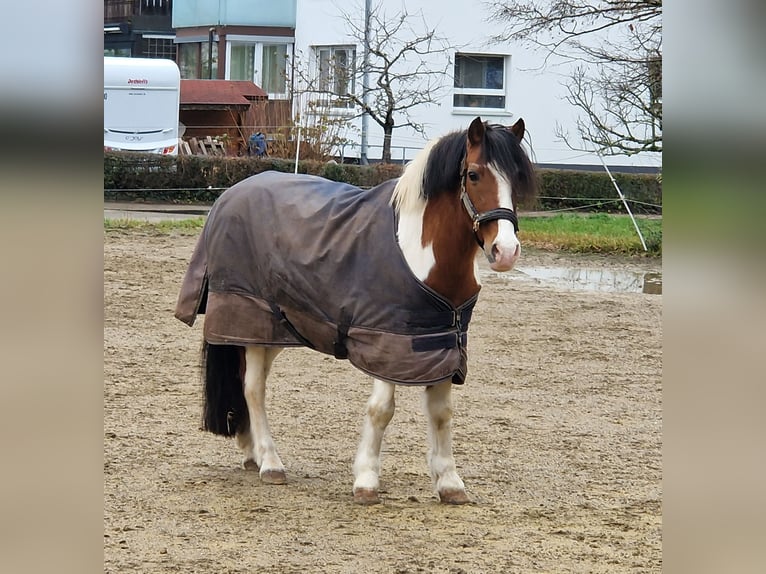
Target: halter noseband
{"points": [[479, 218]]}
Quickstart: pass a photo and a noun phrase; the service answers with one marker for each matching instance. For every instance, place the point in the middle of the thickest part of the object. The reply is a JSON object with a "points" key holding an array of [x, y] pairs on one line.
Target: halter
{"points": [[479, 218]]}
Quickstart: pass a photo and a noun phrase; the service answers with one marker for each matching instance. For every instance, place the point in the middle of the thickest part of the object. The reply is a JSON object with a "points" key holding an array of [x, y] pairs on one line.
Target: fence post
{"points": [[624, 201]]}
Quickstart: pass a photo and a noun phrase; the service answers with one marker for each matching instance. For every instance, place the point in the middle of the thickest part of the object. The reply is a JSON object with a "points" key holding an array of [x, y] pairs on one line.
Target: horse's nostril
{"points": [[495, 251]]}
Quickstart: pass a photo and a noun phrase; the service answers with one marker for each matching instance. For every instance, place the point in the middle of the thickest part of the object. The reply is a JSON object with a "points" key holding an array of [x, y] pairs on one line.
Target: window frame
{"points": [[498, 92], [159, 46], [230, 45], [336, 102], [259, 64], [188, 59], [192, 58], [259, 43]]}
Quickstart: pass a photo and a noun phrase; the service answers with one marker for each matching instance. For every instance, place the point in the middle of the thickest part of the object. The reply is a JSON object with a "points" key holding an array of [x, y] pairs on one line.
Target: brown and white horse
{"points": [[456, 198]]}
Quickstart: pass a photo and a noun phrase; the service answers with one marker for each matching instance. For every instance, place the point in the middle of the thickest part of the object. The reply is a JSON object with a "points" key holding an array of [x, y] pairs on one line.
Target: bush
{"points": [[199, 178], [561, 189]]}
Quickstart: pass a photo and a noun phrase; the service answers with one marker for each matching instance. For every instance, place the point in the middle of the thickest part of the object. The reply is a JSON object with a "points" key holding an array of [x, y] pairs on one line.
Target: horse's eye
{"points": [[473, 176]]}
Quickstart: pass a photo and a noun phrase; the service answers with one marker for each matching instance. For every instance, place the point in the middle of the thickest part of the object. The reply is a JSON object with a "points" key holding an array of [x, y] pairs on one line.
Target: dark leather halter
{"points": [[479, 218]]}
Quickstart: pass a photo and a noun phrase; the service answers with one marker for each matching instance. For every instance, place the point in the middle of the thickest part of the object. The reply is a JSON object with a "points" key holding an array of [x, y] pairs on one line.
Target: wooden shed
{"points": [[225, 109]]}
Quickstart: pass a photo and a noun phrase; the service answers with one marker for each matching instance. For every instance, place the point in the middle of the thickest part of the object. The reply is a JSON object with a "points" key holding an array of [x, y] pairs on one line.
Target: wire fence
{"points": [[597, 203], [200, 180]]}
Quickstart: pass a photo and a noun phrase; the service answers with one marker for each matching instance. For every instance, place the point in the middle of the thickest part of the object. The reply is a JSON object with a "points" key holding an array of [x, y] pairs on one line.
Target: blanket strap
{"points": [[339, 345], [280, 316]]}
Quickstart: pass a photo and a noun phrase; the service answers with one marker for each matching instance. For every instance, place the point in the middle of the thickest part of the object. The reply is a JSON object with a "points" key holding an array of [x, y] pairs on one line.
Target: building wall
{"points": [[213, 34], [533, 92], [191, 13]]}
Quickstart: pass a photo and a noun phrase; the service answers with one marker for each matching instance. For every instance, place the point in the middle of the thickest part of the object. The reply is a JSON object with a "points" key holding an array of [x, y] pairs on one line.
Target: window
{"points": [[188, 60], [336, 65], [479, 81], [274, 69], [261, 61], [118, 51], [156, 46], [208, 65], [193, 60], [242, 62]]}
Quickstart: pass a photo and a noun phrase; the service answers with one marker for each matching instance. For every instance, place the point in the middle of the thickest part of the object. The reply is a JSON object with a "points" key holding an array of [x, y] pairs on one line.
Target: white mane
{"points": [[410, 204], [407, 196]]}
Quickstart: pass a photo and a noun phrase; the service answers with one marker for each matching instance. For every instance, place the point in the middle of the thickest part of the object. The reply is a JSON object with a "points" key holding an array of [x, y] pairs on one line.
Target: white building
{"points": [[264, 41], [515, 82]]}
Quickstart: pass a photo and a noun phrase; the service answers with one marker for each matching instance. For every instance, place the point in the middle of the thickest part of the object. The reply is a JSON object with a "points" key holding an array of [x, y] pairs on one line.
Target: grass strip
{"points": [[584, 233], [591, 233], [190, 225]]}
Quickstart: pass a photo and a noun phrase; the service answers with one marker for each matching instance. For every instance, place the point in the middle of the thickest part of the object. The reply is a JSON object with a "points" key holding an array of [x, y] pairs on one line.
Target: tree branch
{"points": [[617, 87]]}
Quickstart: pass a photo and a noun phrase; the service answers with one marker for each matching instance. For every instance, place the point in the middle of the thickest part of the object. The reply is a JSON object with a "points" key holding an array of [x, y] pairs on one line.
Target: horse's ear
{"points": [[517, 129], [476, 132]]}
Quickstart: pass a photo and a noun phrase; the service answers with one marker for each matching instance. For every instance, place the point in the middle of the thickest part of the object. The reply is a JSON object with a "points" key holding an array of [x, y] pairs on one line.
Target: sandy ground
{"points": [[557, 436]]}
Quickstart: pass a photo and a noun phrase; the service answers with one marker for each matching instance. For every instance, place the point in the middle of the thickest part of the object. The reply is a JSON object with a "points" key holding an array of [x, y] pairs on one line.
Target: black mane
{"points": [[501, 147]]}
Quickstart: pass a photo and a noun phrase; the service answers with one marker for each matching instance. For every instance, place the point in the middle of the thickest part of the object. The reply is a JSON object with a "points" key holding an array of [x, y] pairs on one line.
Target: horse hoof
{"points": [[454, 497], [273, 477], [366, 496], [250, 464]]}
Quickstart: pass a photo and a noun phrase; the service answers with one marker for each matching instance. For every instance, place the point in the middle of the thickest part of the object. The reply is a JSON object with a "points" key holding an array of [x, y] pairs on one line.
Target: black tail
{"points": [[225, 409]]}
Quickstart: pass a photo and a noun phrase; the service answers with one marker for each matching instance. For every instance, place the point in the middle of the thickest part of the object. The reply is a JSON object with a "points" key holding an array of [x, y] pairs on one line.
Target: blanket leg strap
{"points": [[283, 320], [339, 345]]}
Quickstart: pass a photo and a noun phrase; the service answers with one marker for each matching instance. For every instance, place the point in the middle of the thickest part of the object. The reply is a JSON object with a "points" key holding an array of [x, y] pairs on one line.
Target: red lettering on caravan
{"points": [[142, 82]]}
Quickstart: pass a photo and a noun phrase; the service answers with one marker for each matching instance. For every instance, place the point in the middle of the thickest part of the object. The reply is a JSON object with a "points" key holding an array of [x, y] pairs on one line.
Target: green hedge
{"points": [[562, 189], [201, 179]]}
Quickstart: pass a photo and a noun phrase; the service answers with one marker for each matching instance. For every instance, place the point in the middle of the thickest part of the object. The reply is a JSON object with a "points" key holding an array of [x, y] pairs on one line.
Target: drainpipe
{"points": [[210, 32]]}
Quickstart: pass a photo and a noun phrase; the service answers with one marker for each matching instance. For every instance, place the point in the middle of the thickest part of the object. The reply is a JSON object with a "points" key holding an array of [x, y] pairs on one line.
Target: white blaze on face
{"points": [[505, 247]]}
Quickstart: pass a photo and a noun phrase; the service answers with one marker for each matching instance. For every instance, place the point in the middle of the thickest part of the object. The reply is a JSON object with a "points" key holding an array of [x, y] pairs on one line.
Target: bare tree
{"points": [[401, 70], [617, 80]]}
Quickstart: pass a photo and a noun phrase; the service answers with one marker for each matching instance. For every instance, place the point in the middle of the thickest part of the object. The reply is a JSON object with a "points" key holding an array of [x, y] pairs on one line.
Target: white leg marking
{"points": [[380, 410], [441, 463], [263, 451]]}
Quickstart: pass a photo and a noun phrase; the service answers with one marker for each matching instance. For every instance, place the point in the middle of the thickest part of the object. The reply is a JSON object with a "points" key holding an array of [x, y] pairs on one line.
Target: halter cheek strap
{"points": [[479, 218]]}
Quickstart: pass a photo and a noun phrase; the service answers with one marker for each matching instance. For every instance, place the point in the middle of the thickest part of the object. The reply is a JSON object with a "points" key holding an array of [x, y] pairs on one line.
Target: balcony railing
{"points": [[124, 10]]}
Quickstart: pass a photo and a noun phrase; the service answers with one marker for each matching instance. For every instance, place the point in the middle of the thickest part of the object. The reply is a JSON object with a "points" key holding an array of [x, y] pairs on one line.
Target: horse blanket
{"points": [[288, 260]]}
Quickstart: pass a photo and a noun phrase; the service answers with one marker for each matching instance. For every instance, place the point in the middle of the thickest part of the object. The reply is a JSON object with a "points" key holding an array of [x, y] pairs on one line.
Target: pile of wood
{"points": [[204, 146]]}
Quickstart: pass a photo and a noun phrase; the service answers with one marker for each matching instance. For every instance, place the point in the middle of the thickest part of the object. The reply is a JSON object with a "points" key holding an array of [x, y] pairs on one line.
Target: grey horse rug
{"points": [[288, 260]]}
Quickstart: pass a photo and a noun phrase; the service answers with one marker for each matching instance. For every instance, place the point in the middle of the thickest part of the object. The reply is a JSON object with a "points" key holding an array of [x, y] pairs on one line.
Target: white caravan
{"points": [[141, 103]]}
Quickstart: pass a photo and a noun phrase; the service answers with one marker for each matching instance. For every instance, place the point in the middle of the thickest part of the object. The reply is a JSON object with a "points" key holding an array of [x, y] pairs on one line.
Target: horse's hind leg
{"points": [[380, 409], [448, 484], [256, 441]]}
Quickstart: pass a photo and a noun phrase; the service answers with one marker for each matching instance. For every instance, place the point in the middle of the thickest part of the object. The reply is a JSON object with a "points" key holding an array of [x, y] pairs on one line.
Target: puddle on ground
{"points": [[588, 279]]}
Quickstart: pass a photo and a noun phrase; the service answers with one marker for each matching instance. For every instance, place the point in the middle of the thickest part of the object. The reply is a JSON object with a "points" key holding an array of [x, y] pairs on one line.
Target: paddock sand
{"points": [[557, 435]]}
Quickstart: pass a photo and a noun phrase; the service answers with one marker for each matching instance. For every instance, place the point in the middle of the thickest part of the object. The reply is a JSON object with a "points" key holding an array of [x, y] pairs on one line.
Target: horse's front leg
{"points": [[448, 484], [256, 441], [380, 409]]}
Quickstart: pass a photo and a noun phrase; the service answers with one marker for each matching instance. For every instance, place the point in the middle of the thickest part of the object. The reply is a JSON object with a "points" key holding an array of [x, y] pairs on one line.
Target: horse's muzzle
{"points": [[502, 258]]}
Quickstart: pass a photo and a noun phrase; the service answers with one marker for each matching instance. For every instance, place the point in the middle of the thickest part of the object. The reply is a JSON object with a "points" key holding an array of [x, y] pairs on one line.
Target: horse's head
{"points": [[495, 174], [460, 193]]}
